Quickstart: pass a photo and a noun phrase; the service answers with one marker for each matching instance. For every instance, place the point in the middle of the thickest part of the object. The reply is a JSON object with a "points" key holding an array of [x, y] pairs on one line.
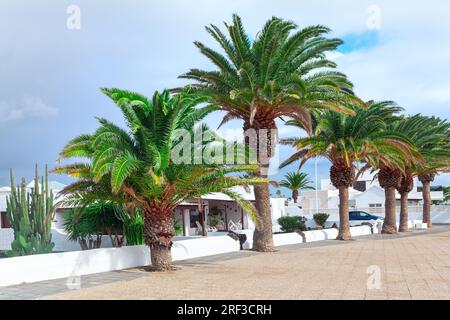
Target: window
{"points": [[194, 216], [4, 221], [363, 214], [375, 205], [360, 186]]}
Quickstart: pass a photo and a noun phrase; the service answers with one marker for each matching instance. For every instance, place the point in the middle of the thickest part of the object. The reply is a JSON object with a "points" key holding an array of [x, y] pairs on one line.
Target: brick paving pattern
{"points": [[412, 266]]}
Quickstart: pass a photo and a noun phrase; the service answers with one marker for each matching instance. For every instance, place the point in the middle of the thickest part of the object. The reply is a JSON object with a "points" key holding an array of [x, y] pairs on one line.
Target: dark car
{"points": [[361, 215]]}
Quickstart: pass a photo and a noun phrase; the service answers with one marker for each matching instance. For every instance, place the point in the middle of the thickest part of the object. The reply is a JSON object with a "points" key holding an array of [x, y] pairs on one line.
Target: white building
{"points": [[366, 195], [187, 215]]}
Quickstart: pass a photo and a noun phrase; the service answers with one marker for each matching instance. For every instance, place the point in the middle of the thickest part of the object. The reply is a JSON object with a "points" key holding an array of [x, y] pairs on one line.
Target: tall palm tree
{"points": [[429, 136], [284, 72], [138, 166], [437, 160], [296, 181], [345, 141]]}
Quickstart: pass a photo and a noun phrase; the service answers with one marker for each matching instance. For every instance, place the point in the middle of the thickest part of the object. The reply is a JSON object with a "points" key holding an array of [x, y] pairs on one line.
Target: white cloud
{"points": [[403, 71], [27, 107]]}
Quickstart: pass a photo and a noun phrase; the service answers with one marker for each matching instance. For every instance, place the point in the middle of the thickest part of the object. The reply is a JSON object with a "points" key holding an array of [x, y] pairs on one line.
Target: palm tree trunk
{"points": [[390, 221], [403, 213], [427, 203], [263, 235], [264, 148], [295, 195], [344, 223], [342, 176], [158, 233]]}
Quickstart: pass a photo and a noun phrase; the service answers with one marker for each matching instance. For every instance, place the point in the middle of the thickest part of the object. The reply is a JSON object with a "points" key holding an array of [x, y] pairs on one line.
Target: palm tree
{"points": [[345, 141], [296, 181], [436, 156], [137, 166], [446, 194], [430, 142], [284, 72]]}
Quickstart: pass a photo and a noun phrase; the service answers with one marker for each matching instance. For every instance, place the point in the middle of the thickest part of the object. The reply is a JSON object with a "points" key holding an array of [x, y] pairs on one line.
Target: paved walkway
{"points": [[411, 266]]}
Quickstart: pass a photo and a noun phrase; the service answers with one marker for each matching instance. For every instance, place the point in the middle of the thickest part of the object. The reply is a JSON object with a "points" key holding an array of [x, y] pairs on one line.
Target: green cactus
{"points": [[30, 214]]}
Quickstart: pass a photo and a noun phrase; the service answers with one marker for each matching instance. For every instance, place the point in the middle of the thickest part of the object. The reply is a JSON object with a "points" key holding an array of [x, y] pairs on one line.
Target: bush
{"points": [[292, 224], [133, 228], [320, 219], [178, 228], [88, 225]]}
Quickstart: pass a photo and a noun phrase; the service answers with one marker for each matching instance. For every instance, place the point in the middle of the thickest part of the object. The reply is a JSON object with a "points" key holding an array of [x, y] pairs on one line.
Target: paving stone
{"points": [[412, 266]]}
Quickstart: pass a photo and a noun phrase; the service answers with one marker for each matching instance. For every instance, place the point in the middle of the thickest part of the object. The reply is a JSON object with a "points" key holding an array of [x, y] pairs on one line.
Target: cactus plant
{"points": [[30, 214]]}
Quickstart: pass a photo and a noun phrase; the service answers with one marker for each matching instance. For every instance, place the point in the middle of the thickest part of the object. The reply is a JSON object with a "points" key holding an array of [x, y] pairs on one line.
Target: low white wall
{"points": [[248, 244], [360, 231], [284, 239], [318, 235], [6, 237], [72, 264], [59, 238], [202, 247]]}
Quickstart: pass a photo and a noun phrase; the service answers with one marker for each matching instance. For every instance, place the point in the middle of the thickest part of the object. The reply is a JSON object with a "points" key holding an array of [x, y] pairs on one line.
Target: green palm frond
{"points": [[363, 137], [283, 66], [135, 166], [296, 181]]}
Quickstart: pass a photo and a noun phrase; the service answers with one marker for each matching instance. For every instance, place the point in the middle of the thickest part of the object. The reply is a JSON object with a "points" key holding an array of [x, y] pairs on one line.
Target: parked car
{"points": [[363, 216]]}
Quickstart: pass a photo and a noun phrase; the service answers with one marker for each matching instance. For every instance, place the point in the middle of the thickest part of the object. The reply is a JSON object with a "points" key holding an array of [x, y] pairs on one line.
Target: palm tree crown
{"points": [[283, 72], [348, 139], [296, 181], [138, 163]]}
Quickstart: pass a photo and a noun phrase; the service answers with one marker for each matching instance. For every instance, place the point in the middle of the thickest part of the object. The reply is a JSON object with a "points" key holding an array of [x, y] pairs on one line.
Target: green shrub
{"points": [[292, 224], [88, 225], [178, 228], [133, 228], [320, 219]]}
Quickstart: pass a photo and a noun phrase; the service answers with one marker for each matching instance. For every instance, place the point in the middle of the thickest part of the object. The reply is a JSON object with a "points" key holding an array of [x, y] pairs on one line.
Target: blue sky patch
{"points": [[360, 41]]}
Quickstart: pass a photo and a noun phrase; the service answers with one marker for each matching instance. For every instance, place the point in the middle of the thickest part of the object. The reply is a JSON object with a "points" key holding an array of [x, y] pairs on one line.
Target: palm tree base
{"points": [[389, 230], [344, 237], [263, 248], [161, 258]]}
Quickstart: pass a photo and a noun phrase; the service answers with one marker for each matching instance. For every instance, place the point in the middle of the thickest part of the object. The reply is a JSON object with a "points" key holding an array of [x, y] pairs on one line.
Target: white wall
{"points": [[370, 196], [319, 235], [59, 238], [6, 237], [278, 209], [284, 239], [73, 264]]}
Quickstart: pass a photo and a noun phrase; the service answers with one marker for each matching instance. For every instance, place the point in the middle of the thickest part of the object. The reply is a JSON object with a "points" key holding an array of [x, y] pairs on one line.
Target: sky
{"points": [[53, 61]]}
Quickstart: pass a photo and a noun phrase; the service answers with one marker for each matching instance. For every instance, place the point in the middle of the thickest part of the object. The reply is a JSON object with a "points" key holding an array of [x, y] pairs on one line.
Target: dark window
{"points": [[363, 214], [194, 216], [360, 186], [4, 220]]}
